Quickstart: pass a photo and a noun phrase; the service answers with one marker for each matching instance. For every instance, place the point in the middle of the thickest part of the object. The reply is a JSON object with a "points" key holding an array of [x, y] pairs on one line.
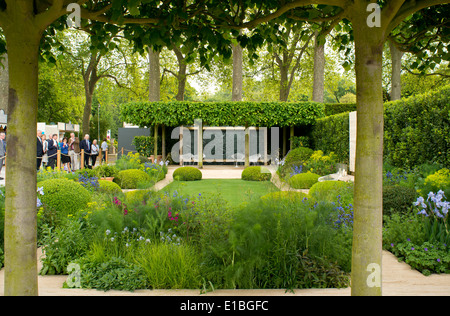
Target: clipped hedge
{"points": [[338, 108], [187, 174], [130, 178], [256, 173], [417, 129], [64, 196], [303, 180], [331, 134], [263, 114]]}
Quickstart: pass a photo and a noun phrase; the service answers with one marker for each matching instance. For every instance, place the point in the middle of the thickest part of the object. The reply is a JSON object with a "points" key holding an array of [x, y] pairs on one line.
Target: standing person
{"points": [[52, 150], [94, 152], [2, 151], [86, 145], [65, 159], [74, 151], [104, 150], [45, 149], [40, 150]]}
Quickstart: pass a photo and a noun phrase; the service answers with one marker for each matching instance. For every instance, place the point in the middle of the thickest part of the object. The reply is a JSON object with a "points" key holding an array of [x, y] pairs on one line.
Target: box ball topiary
{"points": [[109, 187], [64, 196], [187, 174], [129, 179], [256, 173], [329, 191], [295, 157], [303, 180]]}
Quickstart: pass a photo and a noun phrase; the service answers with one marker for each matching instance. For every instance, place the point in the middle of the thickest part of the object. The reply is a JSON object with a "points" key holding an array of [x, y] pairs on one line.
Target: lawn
{"points": [[235, 191]]}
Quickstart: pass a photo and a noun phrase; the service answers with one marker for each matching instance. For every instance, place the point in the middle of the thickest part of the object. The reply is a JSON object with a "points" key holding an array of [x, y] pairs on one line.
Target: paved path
{"points": [[398, 278]]}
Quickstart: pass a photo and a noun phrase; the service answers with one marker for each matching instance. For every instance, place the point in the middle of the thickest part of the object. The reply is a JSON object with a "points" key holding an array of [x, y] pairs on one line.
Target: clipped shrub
{"points": [[303, 180], [64, 196], [256, 173], [108, 187], [137, 196], [187, 174], [295, 157], [398, 199], [130, 178], [329, 190]]}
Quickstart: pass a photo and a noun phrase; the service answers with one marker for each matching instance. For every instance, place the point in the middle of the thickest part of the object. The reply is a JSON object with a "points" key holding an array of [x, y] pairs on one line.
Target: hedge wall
{"points": [[259, 114], [331, 134], [416, 131]]}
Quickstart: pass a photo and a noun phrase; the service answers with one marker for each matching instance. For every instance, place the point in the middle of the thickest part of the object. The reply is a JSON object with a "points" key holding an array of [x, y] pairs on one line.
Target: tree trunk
{"points": [[87, 113], [237, 73], [284, 83], [319, 70], [368, 197], [154, 94], [181, 81], [20, 203], [396, 85]]}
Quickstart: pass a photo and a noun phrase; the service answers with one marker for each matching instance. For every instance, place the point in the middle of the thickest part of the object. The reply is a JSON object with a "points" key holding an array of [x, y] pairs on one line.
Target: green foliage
{"points": [[256, 173], [402, 227], [105, 171], [303, 180], [131, 178], [63, 245], [144, 145], [187, 174], [64, 196], [398, 199], [285, 196], [265, 114], [337, 108], [329, 190], [130, 161], [321, 164], [427, 258], [417, 129], [440, 180], [109, 187], [114, 273], [331, 134], [299, 141], [295, 157]]}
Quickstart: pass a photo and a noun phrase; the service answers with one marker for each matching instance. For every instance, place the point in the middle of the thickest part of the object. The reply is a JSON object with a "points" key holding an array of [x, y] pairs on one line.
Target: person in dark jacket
{"points": [[40, 150], [52, 150], [86, 145]]}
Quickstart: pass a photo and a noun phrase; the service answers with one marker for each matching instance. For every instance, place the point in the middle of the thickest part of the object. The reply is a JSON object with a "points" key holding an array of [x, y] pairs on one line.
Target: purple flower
{"points": [[412, 248], [438, 260], [426, 249]]}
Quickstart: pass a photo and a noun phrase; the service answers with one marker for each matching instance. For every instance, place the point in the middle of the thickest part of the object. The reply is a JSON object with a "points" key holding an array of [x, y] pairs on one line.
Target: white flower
{"points": [[108, 232]]}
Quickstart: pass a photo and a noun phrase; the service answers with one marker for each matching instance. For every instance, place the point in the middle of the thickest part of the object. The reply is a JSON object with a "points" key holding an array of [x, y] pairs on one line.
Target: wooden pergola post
{"points": [[199, 125], [155, 145], [247, 145]]}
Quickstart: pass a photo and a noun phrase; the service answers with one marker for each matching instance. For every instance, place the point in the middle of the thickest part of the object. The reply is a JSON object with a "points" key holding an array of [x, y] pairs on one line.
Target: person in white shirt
{"points": [[94, 152], [104, 150]]}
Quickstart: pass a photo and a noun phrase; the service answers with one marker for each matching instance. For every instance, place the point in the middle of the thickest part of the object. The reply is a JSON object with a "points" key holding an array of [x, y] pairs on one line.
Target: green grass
{"points": [[235, 191]]}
